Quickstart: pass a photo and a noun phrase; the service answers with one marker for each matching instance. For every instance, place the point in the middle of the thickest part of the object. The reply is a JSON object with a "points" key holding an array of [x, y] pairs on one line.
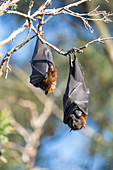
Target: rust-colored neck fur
{"points": [[50, 81], [83, 117]]}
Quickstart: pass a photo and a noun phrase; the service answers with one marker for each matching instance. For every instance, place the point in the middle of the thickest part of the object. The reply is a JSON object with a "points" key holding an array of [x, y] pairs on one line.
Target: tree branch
{"points": [[32, 145], [104, 32], [8, 55], [6, 4], [43, 11], [52, 46], [75, 4], [30, 7], [45, 5], [14, 34], [21, 14], [56, 11], [100, 39], [20, 129]]}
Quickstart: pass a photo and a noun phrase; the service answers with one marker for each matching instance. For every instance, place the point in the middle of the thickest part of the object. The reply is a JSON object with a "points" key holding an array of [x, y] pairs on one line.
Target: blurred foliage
{"points": [[14, 7], [5, 129]]}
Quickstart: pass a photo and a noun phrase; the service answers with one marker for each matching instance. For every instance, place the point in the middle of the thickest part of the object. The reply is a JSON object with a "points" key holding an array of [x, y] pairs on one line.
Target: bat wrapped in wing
{"points": [[76, 97], [44, 72]]}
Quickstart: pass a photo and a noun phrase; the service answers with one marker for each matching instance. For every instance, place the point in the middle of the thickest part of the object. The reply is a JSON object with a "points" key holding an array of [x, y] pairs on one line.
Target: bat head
{"points": [[75, 122], [75, 117]]}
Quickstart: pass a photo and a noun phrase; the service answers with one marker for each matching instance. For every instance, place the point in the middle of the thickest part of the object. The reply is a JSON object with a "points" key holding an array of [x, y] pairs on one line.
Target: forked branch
{"points": [[86, 17]]}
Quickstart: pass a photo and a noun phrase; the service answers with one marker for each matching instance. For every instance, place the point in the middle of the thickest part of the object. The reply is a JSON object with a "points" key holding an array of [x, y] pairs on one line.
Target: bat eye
{"points": [[78, 114]]}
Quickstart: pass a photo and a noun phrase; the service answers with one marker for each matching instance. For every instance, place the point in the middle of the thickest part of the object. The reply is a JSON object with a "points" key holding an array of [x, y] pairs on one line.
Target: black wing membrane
{"points": [[76, 97], [41, 59]]}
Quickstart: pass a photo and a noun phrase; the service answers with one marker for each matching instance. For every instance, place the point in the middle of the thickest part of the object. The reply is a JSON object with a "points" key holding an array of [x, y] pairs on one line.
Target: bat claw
{"points": [[70, 130], [46, 92]]}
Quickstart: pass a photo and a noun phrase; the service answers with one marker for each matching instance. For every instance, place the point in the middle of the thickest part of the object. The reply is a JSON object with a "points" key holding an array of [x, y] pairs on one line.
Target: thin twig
{"points": [[43, 11], [14, 146], [21, 29], [5, 5], [52, 46], [33, 144], [7, 56], [33, 109], [66, 10], [21, 14], [37, 96], [44, 22], [100, 39], [85, 20], [20, 129], [29, 20], [30, 7], [30, 27], [7, 68], [14, 34], [75, 4], [45, 42], [56, 11], [45, 5]]}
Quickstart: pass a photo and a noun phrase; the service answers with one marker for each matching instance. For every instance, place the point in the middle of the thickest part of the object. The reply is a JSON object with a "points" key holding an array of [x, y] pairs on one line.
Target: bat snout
{"points": [[75, 123]]}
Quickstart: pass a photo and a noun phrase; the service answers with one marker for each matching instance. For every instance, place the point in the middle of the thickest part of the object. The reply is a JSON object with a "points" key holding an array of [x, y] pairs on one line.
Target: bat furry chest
{"points": [[48, 84]]}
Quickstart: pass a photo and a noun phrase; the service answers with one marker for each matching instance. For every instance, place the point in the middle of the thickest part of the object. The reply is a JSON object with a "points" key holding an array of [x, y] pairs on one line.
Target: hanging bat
{"points": [[76, 97], [44, 72]]}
